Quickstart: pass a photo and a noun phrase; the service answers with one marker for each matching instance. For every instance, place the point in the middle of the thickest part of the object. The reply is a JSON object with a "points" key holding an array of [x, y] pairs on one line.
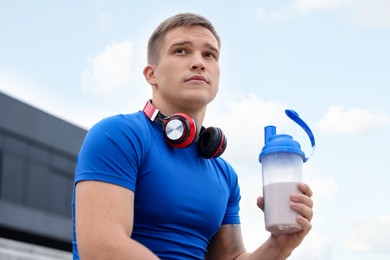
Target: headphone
{"points": [[180, 131]]}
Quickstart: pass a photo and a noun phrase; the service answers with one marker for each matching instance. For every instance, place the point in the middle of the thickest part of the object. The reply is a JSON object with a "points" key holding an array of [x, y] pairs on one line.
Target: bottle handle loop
{"points": [[295, 117]]}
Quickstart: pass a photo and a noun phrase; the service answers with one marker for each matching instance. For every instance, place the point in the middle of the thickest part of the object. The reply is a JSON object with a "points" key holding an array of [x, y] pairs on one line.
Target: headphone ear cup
{"points": [[180, 130], [212, 142]]}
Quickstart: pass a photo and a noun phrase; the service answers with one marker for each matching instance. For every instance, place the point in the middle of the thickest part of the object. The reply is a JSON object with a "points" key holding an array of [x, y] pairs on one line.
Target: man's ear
{"points": [[149, 74]]}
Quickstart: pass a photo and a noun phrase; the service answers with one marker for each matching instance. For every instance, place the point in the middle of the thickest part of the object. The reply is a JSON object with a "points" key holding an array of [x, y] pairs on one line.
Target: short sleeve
{"points": [[232, 215], [112, 151]]}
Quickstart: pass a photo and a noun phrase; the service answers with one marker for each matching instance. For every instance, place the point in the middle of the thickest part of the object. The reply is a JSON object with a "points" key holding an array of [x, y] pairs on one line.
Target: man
{"points": [[151, 185]]}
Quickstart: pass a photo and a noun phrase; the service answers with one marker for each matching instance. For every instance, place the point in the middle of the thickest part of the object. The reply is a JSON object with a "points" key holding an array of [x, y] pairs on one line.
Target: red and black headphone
{"points": [[180, 131]]}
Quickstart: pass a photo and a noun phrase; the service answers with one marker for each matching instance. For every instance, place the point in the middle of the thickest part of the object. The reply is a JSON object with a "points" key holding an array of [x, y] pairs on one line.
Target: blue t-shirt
{"points": [[181, 199]]}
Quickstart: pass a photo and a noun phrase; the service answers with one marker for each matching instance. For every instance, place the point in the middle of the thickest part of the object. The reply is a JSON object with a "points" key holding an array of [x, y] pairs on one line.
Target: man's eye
{"points": [[181, 51], [210, 55]]}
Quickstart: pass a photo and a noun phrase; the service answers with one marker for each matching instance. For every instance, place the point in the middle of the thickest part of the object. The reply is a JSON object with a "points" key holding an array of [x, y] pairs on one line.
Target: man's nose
{"points": [[197, 62]]}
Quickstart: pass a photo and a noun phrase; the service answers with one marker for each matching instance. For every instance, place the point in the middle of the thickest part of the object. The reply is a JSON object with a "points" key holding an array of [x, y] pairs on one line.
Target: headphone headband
{"points": [[153, 113]]}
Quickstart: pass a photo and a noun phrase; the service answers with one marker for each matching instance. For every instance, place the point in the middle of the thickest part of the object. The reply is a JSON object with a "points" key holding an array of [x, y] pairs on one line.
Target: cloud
{"points": [[365, 13], [372, 13], [263, 14], [314, 246], [110, 70], [325, 188], [243, 118], [354, 121], [368, 234], [16, 85], [25, 89], [252, 218], [308, 6]]}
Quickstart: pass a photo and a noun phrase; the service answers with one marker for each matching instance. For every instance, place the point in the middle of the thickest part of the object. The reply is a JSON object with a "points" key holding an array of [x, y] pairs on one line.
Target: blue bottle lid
{"points": [[275, 143]]}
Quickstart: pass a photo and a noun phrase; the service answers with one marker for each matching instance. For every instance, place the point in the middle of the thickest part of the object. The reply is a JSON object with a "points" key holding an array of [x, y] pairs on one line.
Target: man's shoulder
{"points": [[120, 121], [120, 126]]}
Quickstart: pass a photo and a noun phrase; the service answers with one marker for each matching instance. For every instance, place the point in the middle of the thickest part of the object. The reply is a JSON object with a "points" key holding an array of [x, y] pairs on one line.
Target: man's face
{"points": [[187, 74]]}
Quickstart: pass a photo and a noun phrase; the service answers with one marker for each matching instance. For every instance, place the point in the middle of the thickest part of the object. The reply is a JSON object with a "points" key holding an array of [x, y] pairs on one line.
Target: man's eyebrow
{"points": [[182, 43], [210, 46]]}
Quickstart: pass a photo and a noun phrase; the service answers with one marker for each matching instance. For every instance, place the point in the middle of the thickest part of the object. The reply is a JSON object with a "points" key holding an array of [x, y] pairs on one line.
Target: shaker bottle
{"points": [[282, 160]]}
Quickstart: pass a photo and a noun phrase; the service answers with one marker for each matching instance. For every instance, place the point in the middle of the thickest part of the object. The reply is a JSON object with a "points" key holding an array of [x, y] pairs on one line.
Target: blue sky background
{"points": [[327, 59]]}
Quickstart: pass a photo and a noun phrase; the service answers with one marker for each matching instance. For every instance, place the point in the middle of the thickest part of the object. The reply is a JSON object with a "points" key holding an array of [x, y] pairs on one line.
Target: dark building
{"points": [[37, 161]]}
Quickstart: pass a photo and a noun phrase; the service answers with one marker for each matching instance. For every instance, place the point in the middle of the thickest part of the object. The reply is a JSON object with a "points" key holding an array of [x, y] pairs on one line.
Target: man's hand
{"points": [[303, 204]]}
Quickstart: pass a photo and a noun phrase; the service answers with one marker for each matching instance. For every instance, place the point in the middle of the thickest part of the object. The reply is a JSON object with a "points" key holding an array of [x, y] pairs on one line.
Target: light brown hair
{"points": [[184, 19]]}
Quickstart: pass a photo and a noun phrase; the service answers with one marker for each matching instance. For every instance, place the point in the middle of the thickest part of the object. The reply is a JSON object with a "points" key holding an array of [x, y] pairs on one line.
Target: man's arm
{"points": [[228, 244], [104, 222]]}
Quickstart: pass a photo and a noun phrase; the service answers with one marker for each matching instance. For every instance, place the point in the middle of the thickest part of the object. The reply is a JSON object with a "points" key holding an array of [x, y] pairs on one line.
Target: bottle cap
{"points": [[276, 143], [281, 143]]}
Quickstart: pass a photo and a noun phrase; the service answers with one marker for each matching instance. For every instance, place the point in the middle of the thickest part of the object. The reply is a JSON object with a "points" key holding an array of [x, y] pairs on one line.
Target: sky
{"points": [[329, 60]]}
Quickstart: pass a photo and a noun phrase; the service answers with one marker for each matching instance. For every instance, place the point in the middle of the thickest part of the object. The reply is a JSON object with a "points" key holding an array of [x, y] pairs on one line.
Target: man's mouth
{"points": [[197, 78]]}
